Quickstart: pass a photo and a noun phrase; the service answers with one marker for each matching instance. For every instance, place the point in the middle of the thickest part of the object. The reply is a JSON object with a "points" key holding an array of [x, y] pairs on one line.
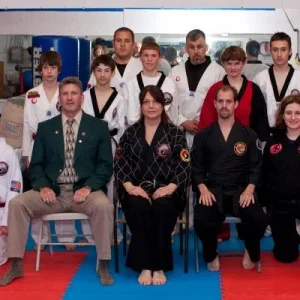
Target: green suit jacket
{"points": [[93, 160]]}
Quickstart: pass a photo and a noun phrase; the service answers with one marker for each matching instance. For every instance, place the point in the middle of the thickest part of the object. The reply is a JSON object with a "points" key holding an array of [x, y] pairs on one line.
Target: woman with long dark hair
{"points": [[281, 174], [152, 169]]}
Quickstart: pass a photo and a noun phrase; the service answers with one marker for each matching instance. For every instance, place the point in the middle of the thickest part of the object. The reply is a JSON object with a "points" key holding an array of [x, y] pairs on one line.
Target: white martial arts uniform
{"points": [[134, 66], [113, 112], [132, 90], [268, 87], [38, 109], [190, 103], [10, 186]]}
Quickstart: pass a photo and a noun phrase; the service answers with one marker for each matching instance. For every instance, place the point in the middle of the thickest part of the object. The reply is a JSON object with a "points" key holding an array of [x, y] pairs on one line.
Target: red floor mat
{"points": [[277, 281], [49, 283]]}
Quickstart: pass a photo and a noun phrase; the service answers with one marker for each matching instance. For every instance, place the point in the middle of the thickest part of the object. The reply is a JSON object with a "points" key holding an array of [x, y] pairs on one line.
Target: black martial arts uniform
{"points": [[281, 182], [226, 168], [151, 223]]}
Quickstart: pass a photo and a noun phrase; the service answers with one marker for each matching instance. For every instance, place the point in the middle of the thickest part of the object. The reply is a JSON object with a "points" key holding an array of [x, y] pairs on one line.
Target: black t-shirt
{"points": [[121, 68], [195, 72]]}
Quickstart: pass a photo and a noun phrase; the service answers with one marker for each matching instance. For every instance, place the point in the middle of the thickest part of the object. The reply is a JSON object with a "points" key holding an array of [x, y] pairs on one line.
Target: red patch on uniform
{"points": [[34, 136], [33, 101], [177, 78], [275, 149], [240, 148], [185, 155], [33, 94], [89, 86]]}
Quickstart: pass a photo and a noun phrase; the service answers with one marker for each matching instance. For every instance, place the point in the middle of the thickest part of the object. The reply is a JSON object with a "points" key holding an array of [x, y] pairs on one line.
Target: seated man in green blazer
{"points": [[70, 167]]}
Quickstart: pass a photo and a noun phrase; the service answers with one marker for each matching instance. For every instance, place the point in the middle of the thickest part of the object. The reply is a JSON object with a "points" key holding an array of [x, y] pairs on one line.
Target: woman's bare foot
{"points": [[145, 277], [214, 265], [159, 278], [247, 263]]}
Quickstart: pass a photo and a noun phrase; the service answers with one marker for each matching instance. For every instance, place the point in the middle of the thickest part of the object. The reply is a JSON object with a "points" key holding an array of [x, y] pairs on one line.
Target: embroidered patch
{"points": [[240, 148], [58, 106], [275, 149], [118, 153], [177, 78], [33, 101], [259, 144], [163, 150], [185, 155], [33, 94], [3, 168], [122, 84], [114, 113], [88, 86], [295, 92], [168, 98], [15, 186]]}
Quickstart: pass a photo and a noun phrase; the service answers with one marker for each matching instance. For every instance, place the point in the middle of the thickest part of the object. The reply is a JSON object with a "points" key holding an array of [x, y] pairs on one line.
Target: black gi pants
{"points": [[151, 227], [283, 216], [207, 221]]}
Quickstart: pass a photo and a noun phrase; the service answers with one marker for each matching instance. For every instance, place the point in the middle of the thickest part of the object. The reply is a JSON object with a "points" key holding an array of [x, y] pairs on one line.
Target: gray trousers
{"points": [[29, 205]]}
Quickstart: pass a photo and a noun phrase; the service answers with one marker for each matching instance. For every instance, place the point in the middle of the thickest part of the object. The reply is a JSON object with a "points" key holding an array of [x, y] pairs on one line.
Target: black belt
{"points": [[2, 205], [113, 132]]}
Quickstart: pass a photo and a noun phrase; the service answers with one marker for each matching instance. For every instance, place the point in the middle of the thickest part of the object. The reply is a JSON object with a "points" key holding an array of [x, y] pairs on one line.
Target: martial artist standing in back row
{"points": [[126, 65], [150, 58], [226, 166], [281, 79], [193, 79]]}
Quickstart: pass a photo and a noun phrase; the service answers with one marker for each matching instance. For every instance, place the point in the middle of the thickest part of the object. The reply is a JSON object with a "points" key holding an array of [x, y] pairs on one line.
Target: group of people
{"points": [[136, 126]]}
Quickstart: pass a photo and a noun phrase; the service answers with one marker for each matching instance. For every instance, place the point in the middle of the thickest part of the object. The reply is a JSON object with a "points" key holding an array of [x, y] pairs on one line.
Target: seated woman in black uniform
{"points": [[152, 169], [281, 179]]}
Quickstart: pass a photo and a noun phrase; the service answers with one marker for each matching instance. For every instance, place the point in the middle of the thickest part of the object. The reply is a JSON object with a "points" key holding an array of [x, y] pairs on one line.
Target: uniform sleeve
{"points": [[173, 109], [259, 117], [132, 104], [15, 187], [87, 106], [121, 112], [122, 160], [265, 174], [197, 156], [27, 133], [208, 113], [181, 167], [180, 118], [255, 158], [92, 82]]}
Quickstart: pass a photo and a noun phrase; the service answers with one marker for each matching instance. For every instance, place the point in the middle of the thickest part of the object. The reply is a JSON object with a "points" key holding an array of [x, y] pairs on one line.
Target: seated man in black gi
{"points": [[226, 165]]}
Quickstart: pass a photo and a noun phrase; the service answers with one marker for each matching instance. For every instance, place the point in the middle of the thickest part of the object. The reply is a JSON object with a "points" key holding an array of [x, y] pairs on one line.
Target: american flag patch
{"points": [[15, 186]]}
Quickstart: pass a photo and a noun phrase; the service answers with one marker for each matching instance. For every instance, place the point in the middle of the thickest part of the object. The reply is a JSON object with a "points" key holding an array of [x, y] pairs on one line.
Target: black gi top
{"points": [[235, 162], [281, 168], [166, 160]]}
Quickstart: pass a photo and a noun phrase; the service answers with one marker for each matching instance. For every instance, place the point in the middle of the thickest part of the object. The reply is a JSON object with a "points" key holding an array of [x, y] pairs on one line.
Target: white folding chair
{"points": [[58, 217], [228, 220]]}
